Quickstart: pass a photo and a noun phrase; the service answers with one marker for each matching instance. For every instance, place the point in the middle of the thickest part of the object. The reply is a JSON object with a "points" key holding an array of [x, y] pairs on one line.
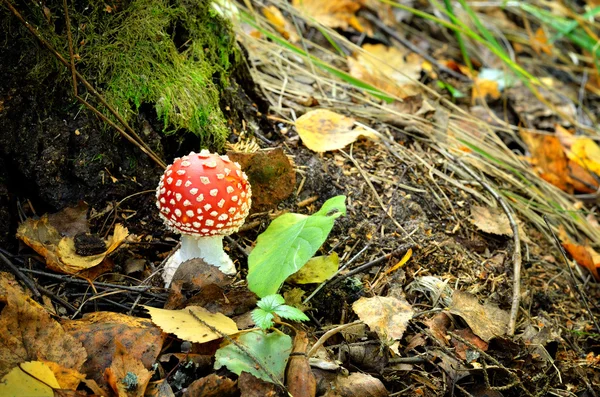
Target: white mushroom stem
{"points": [[210, 249]]}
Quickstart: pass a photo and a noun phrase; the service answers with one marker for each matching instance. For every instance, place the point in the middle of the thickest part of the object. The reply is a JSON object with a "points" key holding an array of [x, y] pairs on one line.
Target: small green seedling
{"points": [[272, 305]]}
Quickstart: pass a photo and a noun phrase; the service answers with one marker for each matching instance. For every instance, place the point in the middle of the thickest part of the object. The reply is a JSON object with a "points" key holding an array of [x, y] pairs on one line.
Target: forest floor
{"points": [[456, 183]]}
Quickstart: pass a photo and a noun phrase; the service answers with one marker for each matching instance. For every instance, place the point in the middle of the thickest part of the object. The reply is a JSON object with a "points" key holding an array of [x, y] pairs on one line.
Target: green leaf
{"points": [[270, 302], [270, 350], [263, 318], [291, 313], [287, 244]]}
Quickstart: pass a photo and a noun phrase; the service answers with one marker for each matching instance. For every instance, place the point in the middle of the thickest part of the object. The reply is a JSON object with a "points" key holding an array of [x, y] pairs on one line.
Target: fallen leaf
{"points": [[60, 252], [27, 332], [251, 386], [584, 255], [387, 68], [316, 270], [300, 381], [211, 385], [68, 378], [388, 316], [552, 164], [539, 42], [333, 14], [100, 331], [322, 130], [582, 150], [270, 350], [281, 24], [185, 325], [491, 220], [32, 378], [438, 325], [357, 385], [127, 376], [271, 175], [486, 321], [463, 351], [195, 274]]}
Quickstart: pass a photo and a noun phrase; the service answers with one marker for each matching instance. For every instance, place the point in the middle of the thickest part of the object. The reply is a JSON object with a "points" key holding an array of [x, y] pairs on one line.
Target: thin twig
{"points": [[516, 298], [328, 335], [574, 279], [17, 272]]}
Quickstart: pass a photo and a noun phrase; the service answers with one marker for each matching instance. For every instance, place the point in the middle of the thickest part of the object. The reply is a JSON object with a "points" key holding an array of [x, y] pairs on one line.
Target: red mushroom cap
{"points": [[204, 194]]}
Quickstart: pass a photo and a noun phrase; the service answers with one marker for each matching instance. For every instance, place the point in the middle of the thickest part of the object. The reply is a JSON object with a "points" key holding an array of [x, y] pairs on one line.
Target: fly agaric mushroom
{"points": [[204, 197]]}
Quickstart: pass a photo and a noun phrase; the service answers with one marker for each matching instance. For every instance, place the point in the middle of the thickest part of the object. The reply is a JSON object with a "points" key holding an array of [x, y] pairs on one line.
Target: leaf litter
{"points": [[408, 198]]}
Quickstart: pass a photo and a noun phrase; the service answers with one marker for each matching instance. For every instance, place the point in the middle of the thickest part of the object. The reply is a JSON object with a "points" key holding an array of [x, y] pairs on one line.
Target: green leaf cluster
{"points": [[272, 305]]}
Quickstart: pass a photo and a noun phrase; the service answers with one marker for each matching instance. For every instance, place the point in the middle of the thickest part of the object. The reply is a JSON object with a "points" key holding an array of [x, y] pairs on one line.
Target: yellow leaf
{"points": [[185, 325], [387, 68], [316, 270], [322, 130], [401, 263], [483, 88], [586, 153], [333, 14], [282, 25], [31, 379]]}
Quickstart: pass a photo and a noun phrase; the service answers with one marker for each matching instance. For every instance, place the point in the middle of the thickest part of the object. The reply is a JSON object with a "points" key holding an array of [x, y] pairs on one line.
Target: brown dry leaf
{"points": [[27, 332], [212, 385], [386, 315], [493, 221], [388, 69], [462, 349], [486, 321], [552, 164], [195, 274], [59, 251], [251, 386], [357, 385], [584, 255], [271, 175], [281, 24], [438, 325], [322, 130], [100, 331], [300, 380], [127, 375], [333, 14]]}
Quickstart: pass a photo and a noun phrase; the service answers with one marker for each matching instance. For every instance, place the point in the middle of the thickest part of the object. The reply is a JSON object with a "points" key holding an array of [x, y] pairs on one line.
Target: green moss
{"points": [[173, 54]]}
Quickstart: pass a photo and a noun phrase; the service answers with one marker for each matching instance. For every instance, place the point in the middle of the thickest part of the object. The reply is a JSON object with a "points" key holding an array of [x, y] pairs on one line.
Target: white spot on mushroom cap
{"points": [[200, 198], [178, 212], [205, 230], [189, 213], [196, 224], [220, 176], [185, 163], [178, 183], [180, 172], [172, 201], [221, 203], [166, 210], [188, 183], [231, 210], [227, 171], [234, 198], [214, 213], [230, 189], [178, 196], [169, 180], [222, 217], [205, 180], [198, 211], [193, 191], [187, 203], [162, 200], [211, 164], [209, 222], [163, 190], [169, 171], [207, 207], [214, 192]]}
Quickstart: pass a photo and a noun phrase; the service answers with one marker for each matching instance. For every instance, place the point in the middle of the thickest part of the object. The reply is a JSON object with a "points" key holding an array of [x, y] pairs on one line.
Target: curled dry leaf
{"points": [[300, 380], [322, 130], [59, 252], [357, 385], [212, 385], [388, 69], [584, 255], [281, 24], [486, 321]]}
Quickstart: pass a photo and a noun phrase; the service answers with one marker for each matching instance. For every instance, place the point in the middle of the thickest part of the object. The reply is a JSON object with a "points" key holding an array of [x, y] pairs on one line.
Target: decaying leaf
{"points": [[552, 164], [127, 376], [582, 150], [333, 14], [271, 175], [357, 385], [68, 378], [316, 270], [494, 221], [300, 380], [388, 69], [27, 332], [185, 325], [280, 23], [486, 321], [322, 130], [212, 385], [386, 315], [584, 255], [462, 350], [59, 252], [100, 331], [32, 378]]}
